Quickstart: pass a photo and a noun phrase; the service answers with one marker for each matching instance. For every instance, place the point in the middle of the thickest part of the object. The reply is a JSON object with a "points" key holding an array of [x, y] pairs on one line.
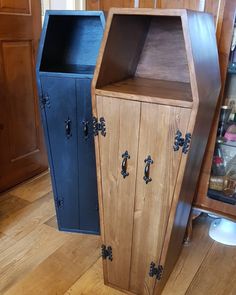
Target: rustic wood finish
{"points": [[164, 62], [119, 193], [174, 93], [153, 201], [207, 93], [107, 4], [22, 149], [161, 208]]}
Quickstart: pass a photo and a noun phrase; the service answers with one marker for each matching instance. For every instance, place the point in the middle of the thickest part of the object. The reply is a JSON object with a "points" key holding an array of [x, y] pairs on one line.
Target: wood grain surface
{"points": [[153, 200], [150, 90], [153, 240], [23, 154], [46, 261], [122, 127]]}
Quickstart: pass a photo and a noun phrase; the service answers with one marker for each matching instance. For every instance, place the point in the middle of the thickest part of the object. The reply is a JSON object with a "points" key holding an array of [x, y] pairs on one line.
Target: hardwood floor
{"points": [[38, 259]]}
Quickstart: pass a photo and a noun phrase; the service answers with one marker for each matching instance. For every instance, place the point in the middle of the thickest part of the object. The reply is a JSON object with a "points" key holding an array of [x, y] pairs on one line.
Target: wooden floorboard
{"points": [[37, 259], [33, 190], [191, 259], [58, 272], [52, 222], [92, 283], [217, 273], [10, 204], [23, 257], [22, 222]]}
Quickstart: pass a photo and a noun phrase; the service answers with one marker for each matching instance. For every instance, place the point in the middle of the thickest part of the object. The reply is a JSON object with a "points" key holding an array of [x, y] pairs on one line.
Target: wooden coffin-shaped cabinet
{"points": [[154, 90], [67, 56]]}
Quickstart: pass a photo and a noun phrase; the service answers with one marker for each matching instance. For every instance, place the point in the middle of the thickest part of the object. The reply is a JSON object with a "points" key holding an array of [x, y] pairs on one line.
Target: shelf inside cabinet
{"points": [[71, 68], [71, 43], [160, 91], [229, 143], [145, 59], [219, 196]]}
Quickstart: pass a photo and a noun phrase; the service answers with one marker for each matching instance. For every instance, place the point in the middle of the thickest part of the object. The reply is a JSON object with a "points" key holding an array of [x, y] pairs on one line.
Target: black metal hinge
{"points": [[60, 203], [182, 142], [106, 252], [156, 271], [99, 126], [45, 101]]}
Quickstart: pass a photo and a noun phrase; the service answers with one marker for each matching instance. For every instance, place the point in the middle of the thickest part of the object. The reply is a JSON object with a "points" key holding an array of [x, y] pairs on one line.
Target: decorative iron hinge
{"points": [[182, 142], [156, 271], [60, 203], [45, 101], [99, 126], [106, 252]]}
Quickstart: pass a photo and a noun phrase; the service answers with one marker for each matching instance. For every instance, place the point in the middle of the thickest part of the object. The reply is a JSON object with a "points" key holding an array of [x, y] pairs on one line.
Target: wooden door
{"points": [[118, 193], [22, 149], [135, 213], [153, 200], [105, 5]]}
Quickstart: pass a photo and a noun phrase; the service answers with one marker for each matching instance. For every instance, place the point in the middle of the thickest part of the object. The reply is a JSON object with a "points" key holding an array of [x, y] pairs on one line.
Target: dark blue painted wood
{"points": [[71, 43], [67, 56], [63, 149]]}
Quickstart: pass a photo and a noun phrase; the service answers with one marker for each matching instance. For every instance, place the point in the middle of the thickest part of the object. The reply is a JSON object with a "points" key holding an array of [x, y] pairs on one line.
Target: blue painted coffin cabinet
{"points": [[68, 50]]}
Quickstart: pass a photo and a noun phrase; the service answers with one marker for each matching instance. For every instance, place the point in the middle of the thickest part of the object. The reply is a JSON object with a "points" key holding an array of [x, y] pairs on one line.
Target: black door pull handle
{"points": [[68, 128], [85, 129], [146, 176], [125, 157]]}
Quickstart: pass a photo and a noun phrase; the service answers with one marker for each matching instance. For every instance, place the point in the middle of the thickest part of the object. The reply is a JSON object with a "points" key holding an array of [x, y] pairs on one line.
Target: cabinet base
{"points": [[79, 231], [117, 288]]}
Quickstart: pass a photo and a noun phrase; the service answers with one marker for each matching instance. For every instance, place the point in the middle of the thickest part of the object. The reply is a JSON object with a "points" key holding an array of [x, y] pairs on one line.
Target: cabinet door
{"points": [[153, 199], [87, 181], [61, 136], [118, 193]]}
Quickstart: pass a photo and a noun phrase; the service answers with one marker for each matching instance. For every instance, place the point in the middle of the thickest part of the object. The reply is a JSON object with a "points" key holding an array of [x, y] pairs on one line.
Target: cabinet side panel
{"points": [[201, 34], [153, 200], [122, 126]]}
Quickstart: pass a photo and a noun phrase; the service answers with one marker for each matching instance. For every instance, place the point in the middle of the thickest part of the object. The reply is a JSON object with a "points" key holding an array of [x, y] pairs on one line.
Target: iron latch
{"points": [[45, 101], [156, 271], [107, 252], [182, 142], [60, 203], [99, 125]]}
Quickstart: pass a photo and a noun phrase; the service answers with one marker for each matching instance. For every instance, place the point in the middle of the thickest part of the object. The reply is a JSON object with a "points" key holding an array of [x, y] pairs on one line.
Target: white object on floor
{"points": [[223, 231]]}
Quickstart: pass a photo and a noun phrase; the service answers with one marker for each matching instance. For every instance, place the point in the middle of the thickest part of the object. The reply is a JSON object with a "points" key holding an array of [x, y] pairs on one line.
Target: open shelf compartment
{"points": [[145, 55], [72, 41]]}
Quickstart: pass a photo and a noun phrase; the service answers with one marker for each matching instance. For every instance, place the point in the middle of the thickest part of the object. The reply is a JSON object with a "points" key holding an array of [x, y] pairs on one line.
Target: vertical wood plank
{"points": [[153, 200], [147, 3], [188, 4], [107, 4], [92, 4], [212, 6], [122, 123]]}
